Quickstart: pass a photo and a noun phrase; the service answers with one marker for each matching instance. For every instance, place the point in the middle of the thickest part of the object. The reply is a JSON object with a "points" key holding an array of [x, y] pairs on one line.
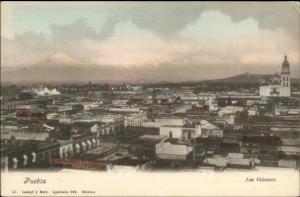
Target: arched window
{"points": [[77, 148], [89, 144], [83, 146], [94, 142], [25, 160], [33, 157]]}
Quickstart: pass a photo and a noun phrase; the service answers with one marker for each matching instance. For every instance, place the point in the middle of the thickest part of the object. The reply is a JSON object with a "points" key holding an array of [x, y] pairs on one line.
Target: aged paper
{"points": [[150, 98]]}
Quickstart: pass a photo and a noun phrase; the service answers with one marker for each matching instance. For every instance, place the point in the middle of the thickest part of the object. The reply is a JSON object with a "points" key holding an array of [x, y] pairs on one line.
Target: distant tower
{"points": [[90, 88], [285, 78]]}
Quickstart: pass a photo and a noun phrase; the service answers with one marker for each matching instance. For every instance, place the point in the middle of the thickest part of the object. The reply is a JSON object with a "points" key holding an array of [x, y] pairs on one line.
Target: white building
{"points": [[185, 132], [281, 90], [166, 150], [190, 130]]}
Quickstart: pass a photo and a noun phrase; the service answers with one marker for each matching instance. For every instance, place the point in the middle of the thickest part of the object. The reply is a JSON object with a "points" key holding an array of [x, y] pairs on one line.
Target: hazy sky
{"points": [[251, 36]]}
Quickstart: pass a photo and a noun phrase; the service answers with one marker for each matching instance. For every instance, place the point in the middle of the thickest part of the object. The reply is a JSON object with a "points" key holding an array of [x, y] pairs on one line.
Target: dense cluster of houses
{"points": [[168, 127]]}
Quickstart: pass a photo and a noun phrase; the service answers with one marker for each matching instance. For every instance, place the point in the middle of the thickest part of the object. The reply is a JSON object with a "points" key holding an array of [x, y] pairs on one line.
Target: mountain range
{"points": [[63, 68]]}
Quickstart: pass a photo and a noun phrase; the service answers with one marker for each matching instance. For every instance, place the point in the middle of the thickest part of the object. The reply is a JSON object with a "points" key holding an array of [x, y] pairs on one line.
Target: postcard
{"points": [[150, 98]]}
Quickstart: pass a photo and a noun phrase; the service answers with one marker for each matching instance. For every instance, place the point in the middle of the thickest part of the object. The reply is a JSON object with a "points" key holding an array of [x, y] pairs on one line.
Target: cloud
{"points": [[25, 49], [167, 19], [221, 35], [72, 32], [160, 33], [201, 43]]}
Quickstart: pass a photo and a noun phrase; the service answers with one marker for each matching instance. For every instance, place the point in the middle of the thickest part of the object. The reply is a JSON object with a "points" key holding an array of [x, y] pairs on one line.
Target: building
{"points": [[204, 147], [23, 136], [176, 121], [135, 119], [26, 95], [83, 143], [216, 161], [265, 148], [210, 130], [46, 150], [239, 160], [169, 151], [29, 154], [66, 148], [228, 113], [144, 146], [279, 90], [185, 132]]}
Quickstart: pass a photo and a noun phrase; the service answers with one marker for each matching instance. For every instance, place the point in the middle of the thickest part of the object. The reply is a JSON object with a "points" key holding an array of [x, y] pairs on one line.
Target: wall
{"points": [[264, 91], [66, 150], [172, 151], [169, 121], [285, 91], [176, 131]]}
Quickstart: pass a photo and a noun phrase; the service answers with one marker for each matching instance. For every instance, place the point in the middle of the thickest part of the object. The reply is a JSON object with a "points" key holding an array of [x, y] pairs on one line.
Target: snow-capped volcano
{"points": [[63, 59]]}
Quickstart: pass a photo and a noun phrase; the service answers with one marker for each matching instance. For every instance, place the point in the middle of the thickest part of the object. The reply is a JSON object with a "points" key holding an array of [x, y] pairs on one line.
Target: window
{"points": [[77, 148], [33, 157], [25, 160]]}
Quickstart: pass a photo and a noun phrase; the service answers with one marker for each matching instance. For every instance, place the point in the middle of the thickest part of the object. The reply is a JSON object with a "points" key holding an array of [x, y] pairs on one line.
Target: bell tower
{"points": [[285, 78]]}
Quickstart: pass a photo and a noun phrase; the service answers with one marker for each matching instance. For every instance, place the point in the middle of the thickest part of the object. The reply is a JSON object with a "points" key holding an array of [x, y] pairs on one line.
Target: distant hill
{"points": [[247, 78], [240, 80]]}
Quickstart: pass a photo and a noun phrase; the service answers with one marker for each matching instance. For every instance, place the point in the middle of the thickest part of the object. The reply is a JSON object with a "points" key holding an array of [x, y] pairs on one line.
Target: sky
{"points": [[248, 36]]}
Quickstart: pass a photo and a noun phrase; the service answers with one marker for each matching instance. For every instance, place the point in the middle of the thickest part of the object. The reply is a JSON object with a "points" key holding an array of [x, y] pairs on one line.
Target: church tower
{"points": [[285, 78]]}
